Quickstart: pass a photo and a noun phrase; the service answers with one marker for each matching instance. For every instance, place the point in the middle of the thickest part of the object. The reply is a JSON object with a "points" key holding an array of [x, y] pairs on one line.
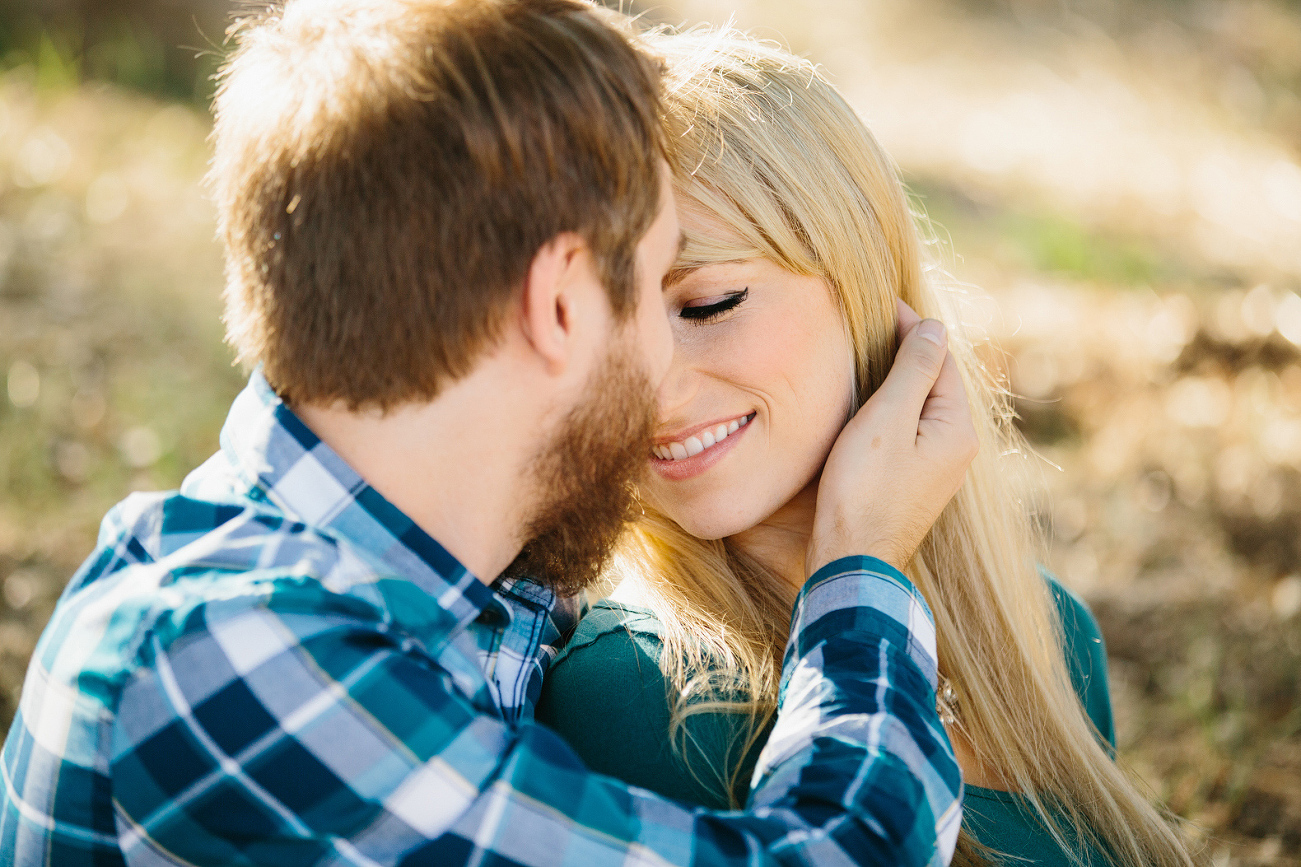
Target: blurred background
{"points": [[1117, 183]]}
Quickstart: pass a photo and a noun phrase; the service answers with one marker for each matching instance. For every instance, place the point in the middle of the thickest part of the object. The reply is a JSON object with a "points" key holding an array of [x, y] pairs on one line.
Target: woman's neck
{"points": [[780, 542]]}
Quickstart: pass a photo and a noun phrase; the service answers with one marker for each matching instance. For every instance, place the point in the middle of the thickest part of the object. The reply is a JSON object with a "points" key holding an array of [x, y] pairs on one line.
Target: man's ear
{"points": [[547, 312]]}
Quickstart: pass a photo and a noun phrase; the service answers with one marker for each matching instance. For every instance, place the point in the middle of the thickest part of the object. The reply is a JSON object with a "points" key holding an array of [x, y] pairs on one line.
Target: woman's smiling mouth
{"points": [[692, 455], [691, 446]]}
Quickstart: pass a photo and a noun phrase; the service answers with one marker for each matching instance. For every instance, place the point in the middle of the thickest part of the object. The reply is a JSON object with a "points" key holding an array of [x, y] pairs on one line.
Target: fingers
{"points": [[946, 433], [917, 366], [905, 318], [900, 460], [947, 400]]}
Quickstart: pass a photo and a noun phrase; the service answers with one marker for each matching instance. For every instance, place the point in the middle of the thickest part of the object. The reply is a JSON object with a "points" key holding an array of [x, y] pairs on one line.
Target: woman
{"points": [[799, 242]]}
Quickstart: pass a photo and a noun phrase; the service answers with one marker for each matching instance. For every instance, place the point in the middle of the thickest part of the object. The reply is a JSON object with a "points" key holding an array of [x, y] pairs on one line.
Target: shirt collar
{"points": [[280, 461]]}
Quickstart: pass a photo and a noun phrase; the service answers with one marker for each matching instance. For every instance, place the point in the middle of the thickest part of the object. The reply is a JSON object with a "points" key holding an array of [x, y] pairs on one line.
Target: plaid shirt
{"points": [[276, 666]]}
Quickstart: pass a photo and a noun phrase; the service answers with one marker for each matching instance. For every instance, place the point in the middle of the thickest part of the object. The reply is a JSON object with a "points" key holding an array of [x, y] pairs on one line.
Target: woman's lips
{"points": [[695, 440], [695, 464]]}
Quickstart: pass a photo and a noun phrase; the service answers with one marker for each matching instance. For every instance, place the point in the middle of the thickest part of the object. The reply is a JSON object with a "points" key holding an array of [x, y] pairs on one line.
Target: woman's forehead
{"points": [[696, 218], [709, 237]]}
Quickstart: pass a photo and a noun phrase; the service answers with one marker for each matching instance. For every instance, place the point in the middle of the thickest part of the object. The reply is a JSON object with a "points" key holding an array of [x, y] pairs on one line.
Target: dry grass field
{"points": [[1119, 186]]}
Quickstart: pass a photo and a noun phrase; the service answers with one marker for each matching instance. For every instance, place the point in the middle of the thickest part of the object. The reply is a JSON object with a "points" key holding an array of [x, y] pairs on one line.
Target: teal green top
{"points": [[607, 695]]}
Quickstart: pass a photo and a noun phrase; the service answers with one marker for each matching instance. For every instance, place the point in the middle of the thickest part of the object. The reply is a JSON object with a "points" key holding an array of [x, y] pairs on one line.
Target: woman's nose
{"points": [[678, 385]]}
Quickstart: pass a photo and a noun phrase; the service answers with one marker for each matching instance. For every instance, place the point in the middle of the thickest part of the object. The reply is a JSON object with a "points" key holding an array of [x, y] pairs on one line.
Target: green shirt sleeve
{"points": [[1086, 658], [1003, 821], [608, 697]]}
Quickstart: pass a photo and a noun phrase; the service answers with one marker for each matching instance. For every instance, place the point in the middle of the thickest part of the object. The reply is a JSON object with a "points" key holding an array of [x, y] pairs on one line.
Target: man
{"points": [[446, 225]]}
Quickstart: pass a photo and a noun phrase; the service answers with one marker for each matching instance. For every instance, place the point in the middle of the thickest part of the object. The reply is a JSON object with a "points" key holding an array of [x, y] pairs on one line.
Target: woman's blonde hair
{"points": [[761, 142]]}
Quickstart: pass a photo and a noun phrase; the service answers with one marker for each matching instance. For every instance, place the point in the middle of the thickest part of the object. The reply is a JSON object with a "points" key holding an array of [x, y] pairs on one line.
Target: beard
{"points": [[587, 475]]}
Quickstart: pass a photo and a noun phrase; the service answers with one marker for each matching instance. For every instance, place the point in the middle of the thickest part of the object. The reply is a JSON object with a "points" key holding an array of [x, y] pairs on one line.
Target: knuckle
{"points": [[924, 367], [929, 354]]}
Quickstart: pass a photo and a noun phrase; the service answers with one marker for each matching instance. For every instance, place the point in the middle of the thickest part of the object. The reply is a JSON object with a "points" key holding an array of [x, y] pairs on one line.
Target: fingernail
{"points": [[932, 330]]}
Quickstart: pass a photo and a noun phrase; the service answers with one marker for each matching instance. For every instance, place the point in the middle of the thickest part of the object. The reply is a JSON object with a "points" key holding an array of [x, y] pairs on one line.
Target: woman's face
{"points": [[760, 386]]}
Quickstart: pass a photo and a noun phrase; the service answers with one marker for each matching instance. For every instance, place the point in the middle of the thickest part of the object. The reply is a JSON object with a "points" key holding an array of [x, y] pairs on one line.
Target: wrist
{"points": [[821, 554], [856, 563]]}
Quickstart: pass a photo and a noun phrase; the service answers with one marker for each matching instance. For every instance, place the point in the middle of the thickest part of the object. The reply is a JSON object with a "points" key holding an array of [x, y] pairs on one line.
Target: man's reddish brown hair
{"points": [[385, 171]]}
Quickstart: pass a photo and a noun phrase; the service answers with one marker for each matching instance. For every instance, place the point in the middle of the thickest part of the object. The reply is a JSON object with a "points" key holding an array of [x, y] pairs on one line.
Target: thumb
{"points": [[916, 366]]}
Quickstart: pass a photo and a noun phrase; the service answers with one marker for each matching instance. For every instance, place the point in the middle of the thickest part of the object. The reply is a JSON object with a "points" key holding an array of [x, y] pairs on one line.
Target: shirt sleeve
{"points": [[303, 735], [1086, 660], [608, 697]]}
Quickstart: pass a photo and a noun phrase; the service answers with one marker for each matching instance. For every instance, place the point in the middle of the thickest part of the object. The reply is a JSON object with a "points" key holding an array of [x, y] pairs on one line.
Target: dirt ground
{"points": [[1117, 185]]}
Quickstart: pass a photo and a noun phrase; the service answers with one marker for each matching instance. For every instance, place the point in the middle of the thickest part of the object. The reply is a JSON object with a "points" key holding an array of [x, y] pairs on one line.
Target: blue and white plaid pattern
{"points": [[276, 666]]}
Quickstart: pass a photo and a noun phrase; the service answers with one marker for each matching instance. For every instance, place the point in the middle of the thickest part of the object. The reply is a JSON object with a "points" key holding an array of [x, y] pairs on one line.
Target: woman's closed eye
{"points": [[712, 308]]}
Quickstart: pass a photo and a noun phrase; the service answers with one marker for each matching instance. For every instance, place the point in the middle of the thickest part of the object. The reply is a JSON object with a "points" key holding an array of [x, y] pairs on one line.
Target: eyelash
{"points": [[706, 312]]}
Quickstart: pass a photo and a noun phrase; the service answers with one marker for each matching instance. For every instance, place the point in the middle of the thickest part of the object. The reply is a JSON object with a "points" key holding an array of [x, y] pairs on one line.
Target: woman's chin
{"points": [[727, 510], [713, 526]]}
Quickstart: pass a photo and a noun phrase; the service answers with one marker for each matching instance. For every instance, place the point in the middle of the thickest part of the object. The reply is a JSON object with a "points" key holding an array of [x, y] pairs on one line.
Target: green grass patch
{"points": [[1039, 240], [176, 63]]}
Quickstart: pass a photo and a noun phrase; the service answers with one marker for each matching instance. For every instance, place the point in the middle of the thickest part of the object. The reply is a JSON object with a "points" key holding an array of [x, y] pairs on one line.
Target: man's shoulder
{"points": [[167, 566], [179, 536], [147, 527]]}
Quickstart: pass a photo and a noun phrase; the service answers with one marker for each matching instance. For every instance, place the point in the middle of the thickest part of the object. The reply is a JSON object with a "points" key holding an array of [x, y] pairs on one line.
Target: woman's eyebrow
{"points": [[675, 275]]}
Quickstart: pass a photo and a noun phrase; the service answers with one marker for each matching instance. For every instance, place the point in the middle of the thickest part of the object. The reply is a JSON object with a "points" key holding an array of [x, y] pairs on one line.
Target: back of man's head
{"points": [[385, 170]]}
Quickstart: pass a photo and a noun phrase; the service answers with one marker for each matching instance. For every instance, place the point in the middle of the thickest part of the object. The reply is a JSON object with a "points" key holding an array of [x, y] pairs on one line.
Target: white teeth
{"points": [[694, 445]]}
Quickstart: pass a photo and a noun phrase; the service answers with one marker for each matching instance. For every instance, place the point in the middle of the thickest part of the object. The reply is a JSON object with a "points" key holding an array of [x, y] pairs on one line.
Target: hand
{"points": [[900, 459]]}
